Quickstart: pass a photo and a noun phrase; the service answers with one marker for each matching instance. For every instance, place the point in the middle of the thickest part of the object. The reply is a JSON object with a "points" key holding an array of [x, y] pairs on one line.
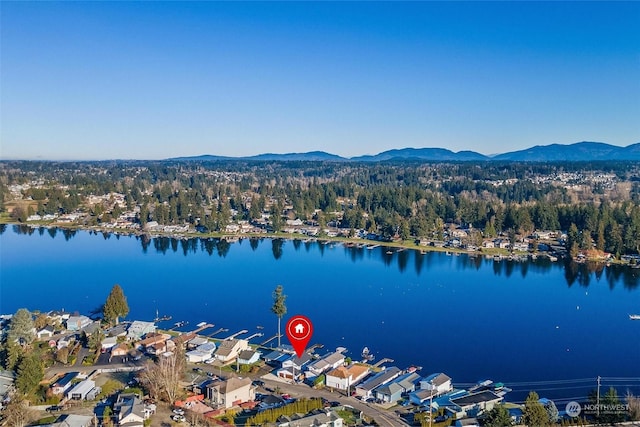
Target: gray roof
{"points": [[380, 378]]}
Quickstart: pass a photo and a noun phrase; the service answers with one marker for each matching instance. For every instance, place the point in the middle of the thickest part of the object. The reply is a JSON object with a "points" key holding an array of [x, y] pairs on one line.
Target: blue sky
{"points": [[152, 80]]}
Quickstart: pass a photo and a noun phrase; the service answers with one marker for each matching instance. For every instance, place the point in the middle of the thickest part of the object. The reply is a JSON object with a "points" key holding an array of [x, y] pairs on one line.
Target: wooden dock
{"points": [[269, 340], [257, 334], [381, 361], [217, 332], [232, 336], [202, 327]]}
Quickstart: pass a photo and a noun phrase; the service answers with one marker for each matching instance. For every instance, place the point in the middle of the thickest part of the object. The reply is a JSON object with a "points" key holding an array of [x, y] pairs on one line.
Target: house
{"points": [[320, 419], [440, 383], [120, 350], [130, 411], [195, 342], [393, 390], [7, 380], [45, 333], [488, 244], [231, 392], [474, 404], [343, 378], [502, 243], [271, 401], [229, 349], [109, 342], [119, 330], [276, 358], [152, 339], [331, 361], [72, 420], [81, 390], [76, 323], [366, 388], [63, 384], [292, 367], [248, 357], [138, 329], [202, 353], [521, 246], [65, 341]]}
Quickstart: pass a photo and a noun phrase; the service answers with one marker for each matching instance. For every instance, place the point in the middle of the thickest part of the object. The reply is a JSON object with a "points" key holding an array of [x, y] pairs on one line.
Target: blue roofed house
{"points": [[276, 358], [64, 383]]}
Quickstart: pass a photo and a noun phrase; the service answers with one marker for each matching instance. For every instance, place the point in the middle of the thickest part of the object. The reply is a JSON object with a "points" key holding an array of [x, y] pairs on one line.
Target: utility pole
{"points": [[598, 396], [431, 403]]}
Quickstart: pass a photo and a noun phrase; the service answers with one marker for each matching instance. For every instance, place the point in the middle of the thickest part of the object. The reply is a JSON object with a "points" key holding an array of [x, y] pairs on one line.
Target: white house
{"points": [[343, 378], [130, 411], [439, 382], [72, 420], [231, 392], [45, 333], [81, 390], [325, 364], [109, 342]]}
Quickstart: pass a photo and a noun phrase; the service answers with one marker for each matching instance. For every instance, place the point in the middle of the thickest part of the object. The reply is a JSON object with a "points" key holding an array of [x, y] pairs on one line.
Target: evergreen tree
{"points": [[279, 308], [534, 412], [498, 417], [21, 328], [115, 306], [30, 373]]}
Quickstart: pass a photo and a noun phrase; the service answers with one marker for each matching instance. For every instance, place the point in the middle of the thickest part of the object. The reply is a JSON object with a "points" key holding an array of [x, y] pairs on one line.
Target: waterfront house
{"points": [[130, 411], [473, 404], [331, 361], [118, 330], [366, 388], [248, 357], [438, 382], [76, 323], [393, 390], [292, 367], [276, 358], [138, 329], [63, 384], [488, 244], [343, 378], [193, 343], [229, 349], [232, 392]]}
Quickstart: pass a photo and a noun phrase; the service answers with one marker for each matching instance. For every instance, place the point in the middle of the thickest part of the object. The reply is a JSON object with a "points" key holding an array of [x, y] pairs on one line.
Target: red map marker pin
{"points": [[299, 330]]}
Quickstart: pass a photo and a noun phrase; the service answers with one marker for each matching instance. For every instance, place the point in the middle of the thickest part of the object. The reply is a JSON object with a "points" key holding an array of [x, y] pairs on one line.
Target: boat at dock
{"points": [[634, 317], [181, 323], [366, 355]]}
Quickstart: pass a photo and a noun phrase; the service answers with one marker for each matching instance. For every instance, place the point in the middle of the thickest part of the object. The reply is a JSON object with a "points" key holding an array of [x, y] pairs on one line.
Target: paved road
{"points": [[383, 417]]}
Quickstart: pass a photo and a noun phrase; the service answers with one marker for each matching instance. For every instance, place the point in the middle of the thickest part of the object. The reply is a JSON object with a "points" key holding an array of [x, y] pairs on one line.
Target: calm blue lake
{"points": [[471, 318]]}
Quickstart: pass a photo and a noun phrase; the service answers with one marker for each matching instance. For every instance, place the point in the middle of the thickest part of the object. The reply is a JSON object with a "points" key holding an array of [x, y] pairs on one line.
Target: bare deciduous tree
{"points": [[162, 378], [17, 413]]}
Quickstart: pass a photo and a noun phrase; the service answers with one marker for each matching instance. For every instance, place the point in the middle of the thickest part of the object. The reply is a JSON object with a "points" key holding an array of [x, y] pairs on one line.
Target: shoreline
{"points": [[402, 245]]}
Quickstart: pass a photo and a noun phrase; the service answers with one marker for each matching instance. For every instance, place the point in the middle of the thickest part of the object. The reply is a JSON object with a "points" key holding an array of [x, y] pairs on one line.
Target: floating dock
{"points": [[232, 336]]}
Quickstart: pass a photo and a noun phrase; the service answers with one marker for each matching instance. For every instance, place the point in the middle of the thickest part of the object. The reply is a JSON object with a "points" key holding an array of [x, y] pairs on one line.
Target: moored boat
{"points": [[634, 316]]}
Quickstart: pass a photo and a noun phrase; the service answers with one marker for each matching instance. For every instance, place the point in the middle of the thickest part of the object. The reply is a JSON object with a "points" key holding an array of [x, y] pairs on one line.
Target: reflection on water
{"points": [[581, 274]]}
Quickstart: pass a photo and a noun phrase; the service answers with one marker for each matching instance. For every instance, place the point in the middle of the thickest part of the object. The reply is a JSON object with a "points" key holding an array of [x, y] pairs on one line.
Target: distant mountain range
{"points": [[580, 151]]}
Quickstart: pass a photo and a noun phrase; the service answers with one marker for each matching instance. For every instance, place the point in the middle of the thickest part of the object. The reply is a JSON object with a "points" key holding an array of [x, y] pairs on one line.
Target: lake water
{"points": [[472, 318]]}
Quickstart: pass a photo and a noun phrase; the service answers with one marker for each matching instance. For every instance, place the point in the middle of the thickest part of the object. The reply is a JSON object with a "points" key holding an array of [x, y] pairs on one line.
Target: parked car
{"points": [[178, 411], [178, 418], [258, 383]]}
